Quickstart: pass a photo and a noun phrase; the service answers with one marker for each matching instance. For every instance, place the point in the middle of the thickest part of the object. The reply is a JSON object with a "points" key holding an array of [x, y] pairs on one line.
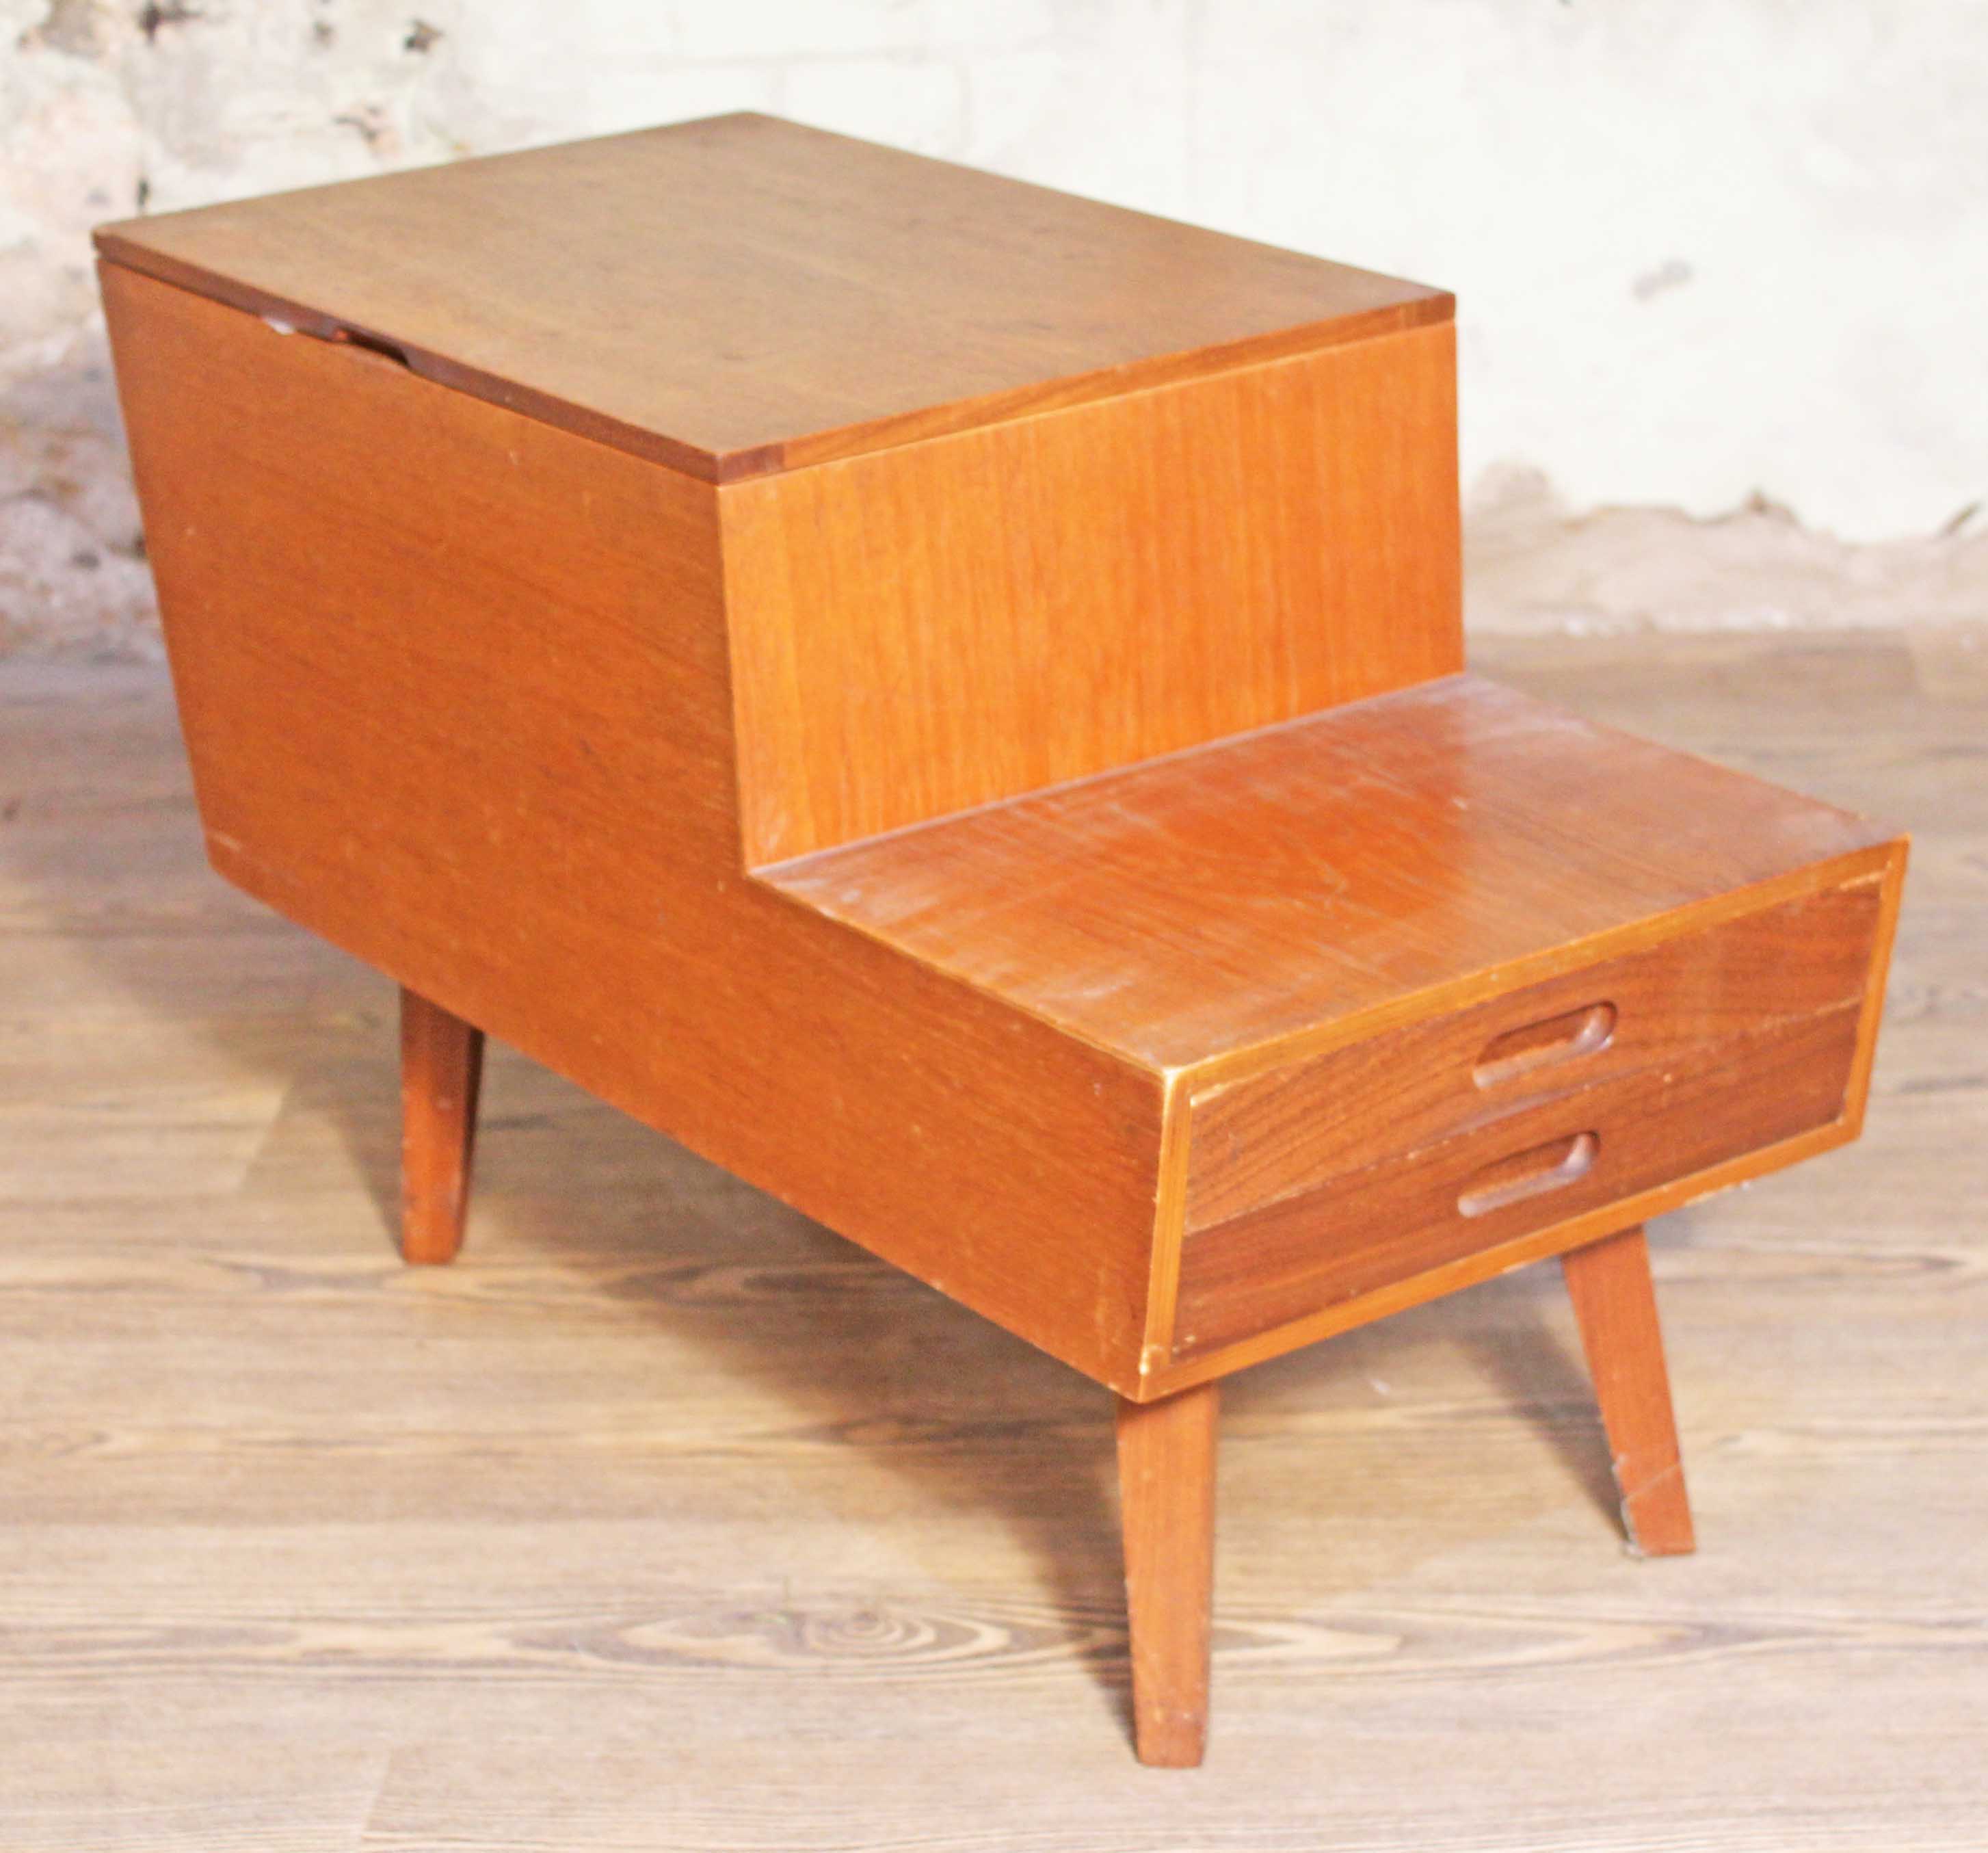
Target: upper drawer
{"points": [[1278, 1135]]}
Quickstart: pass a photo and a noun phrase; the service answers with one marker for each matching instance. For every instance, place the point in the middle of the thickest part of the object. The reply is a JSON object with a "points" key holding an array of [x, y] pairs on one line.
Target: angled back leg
{"points": [[442, 1070]]}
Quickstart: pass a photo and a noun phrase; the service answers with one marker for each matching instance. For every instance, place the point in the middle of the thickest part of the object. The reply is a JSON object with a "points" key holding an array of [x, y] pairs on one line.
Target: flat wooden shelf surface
{"points": [[1185, 908], [743, 294]]}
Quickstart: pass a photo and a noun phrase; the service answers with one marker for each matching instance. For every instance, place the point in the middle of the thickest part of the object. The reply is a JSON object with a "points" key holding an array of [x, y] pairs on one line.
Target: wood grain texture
{"points": [[1166, 1495], [441, 1072], [1218, 911], [1400, 1218], [1674, 1003], [743, 294], [363, 662], [305, 1552], [376, 757], [947, 624], [1615, 1306]]}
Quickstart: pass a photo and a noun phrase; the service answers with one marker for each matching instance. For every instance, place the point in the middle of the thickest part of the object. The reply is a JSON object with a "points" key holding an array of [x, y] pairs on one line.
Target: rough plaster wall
{"points": [[1720, 258]]}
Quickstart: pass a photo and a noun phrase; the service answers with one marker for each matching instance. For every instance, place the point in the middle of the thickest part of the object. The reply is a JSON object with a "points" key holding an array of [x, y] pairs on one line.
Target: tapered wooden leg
{"points": [[441, 1068], [1616, 1307], [1166, 1484]]}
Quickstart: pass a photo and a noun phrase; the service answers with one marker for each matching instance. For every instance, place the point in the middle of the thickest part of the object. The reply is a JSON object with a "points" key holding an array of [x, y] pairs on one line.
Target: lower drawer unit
{"points": [[1337, 1177]]}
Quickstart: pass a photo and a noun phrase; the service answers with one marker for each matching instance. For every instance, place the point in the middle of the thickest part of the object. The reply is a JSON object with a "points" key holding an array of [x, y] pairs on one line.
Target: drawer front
{"points": [[1284, 1134], [1544, 1164]]}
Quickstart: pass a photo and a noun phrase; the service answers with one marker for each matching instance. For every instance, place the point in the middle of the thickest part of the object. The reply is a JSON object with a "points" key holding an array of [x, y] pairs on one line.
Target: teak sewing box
{"points": [[949, 700]]}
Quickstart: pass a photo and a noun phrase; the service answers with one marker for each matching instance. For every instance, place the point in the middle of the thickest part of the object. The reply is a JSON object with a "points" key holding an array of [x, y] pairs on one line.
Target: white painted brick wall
{"points": [[1703, 249]]}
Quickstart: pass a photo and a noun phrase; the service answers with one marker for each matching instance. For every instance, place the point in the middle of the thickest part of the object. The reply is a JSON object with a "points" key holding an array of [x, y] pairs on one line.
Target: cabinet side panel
{"points": [[952, 622], [456, 691]]}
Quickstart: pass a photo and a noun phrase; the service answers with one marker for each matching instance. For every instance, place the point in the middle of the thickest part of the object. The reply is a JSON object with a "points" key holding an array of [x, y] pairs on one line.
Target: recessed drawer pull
{"points": [[1530, 1174], [371, 344], [1564, 1038]]}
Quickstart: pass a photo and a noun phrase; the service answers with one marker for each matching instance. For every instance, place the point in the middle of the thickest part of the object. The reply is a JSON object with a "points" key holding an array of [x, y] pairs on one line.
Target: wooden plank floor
{"points": [[666, 1519]]}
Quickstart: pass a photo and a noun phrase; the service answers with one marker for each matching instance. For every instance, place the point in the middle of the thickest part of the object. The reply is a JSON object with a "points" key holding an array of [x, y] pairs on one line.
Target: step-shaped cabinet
{"points": [[948, 699]]}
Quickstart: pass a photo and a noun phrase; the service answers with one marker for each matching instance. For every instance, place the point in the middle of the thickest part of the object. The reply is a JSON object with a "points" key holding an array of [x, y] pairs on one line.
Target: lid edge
{"points": [[1421, 305]]}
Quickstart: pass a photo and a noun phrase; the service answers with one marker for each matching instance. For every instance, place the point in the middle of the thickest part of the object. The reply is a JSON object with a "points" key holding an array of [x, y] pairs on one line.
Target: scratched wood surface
{"points": [[1507, 831], [664, 1519]]}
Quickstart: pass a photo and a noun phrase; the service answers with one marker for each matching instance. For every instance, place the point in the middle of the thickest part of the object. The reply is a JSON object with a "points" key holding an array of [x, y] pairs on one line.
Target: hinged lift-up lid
{"points": [[740, 296]]}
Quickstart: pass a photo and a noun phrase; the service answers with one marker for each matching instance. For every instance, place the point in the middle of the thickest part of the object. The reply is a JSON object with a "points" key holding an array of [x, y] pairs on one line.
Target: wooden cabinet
{"points": [[949, 700]]}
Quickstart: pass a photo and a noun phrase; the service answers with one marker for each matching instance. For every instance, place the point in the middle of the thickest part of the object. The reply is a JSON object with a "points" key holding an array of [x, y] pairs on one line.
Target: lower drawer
{"points": [[1525, 1170]]}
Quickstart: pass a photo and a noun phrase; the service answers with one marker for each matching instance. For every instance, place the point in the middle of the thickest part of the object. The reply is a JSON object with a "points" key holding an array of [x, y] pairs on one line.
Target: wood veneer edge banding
{"points": [[746, 774], [310, 324], [1488, 1263], [1169, 1230], [809, 449], [1246, 1063], [1125, 381], [1858, 1096], [425, 364]]}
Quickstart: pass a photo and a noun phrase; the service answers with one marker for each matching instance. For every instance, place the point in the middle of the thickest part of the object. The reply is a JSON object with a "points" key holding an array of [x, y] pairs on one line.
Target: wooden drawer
{"points": [[1285, 1134], [1544, 1163]]}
